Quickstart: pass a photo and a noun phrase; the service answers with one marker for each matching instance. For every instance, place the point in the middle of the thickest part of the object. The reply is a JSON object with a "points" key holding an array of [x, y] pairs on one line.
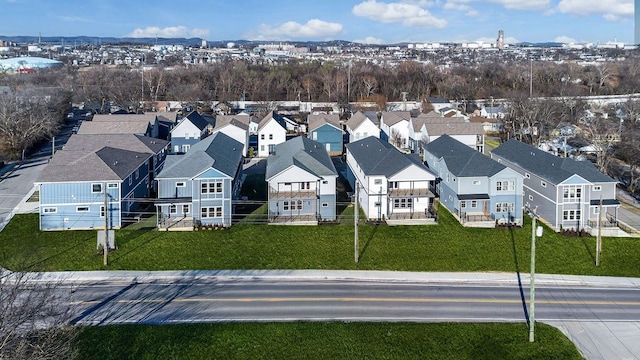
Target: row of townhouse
{"points": [[396, 127], [201, 179]]}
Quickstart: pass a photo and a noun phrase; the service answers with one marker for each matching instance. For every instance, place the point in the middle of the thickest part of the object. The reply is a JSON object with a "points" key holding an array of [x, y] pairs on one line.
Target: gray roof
{"points": [[359, 117], [224, 120], [304, 153], [462, 160], [148, 117], [131, 142], [275, 116], [315, 121], [393, 117], [197, 120], [548, 166], [106, 164], [114, 127], [378, 157], [217, 151], [454, 128]]}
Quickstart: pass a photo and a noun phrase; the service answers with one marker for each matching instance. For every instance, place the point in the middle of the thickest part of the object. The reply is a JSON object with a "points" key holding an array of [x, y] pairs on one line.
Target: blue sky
{"points": [[370, 21]]}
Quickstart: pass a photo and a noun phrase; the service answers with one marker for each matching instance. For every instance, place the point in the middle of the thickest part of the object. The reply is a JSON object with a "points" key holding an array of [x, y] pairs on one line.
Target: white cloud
{"points": [[461, 6], [407, 14], [370, 40], [611, 10], [314, 28], [168, 32], [523, 4], [74, 19], [565, 39]]}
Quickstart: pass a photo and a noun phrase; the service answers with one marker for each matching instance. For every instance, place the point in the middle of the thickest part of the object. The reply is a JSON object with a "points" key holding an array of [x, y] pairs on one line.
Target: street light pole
{"points": [[356, 212], [532, 283]]}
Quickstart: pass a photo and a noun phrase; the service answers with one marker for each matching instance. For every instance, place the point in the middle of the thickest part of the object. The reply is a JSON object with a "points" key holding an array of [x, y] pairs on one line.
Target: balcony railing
{"points": [[293, 218], [295, 194], [419, 192], [177, 223]]}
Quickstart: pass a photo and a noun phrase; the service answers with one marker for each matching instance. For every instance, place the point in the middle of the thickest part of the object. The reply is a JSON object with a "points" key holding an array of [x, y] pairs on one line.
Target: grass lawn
{"points": [[443, 247], [304, 340]]}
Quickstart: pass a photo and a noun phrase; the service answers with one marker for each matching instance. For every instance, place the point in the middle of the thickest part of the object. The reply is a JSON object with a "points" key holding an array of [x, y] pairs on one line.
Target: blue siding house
{"points": [[73, 185], [301, 183], [198, 187], [477, 190], [326, 130]]}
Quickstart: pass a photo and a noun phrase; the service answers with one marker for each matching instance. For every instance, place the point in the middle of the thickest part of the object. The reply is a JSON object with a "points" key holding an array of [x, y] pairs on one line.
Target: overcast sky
{"points": [[368, 21]]}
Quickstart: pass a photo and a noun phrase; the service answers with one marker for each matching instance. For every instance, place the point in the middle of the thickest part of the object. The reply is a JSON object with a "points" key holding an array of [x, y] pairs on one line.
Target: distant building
{"points": [[500, 41]]}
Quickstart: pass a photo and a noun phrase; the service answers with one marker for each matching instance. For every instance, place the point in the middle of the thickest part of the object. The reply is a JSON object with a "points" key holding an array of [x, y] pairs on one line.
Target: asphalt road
{"points": [[260, 300]]}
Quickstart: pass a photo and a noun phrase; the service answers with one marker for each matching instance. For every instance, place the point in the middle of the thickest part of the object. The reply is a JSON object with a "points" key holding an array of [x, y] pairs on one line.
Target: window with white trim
{"points": [[285, 205], [211, 212], [186, 208], [403, 203], [504, 207], [377, 181], [173, 209], [476, 182], [50, 210], [102, 211], [463, 204], [527, 175], [571, 215], [543, 183], [474, 203], [96, 188], [597, 187], [181, 184], [572, 193], [82, 209], [211, 187], [505, 185], [325, 204], [112, 185]]}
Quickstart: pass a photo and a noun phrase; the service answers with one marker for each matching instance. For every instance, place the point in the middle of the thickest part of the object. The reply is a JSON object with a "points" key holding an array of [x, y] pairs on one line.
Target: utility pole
{"points": [[532, 283], [599, 238], [53, 145], [531, 78], [356, 211], [105, 247]]}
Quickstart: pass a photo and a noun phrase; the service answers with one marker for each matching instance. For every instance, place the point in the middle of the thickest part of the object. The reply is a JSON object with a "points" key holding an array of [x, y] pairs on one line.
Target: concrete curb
{"points": [[506, 279]]}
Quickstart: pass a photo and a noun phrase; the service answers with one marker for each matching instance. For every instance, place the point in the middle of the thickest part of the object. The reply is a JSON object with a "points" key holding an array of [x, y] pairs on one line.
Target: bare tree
{"points": [[34, 318], [396, 138], [25, 121], [603, 134]]}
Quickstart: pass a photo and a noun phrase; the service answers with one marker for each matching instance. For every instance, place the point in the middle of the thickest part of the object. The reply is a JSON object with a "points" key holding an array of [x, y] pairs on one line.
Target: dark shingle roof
{"points": [[304, 153], [217, 151], [359, 117], [197, 120], [377, 157], [462, 160], [548, 166]]}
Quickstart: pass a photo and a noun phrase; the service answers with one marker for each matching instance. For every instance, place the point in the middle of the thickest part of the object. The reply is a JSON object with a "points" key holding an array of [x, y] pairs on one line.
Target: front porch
{"points": [[177, 223], [428, 217], [293, 219]]}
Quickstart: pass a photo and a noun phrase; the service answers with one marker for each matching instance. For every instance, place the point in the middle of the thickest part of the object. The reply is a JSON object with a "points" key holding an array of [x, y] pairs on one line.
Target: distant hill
{"points": [[93, 40]]}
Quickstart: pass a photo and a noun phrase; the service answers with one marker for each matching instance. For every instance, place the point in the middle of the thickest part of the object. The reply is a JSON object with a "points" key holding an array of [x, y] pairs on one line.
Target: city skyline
{"points": [[365, 21]]}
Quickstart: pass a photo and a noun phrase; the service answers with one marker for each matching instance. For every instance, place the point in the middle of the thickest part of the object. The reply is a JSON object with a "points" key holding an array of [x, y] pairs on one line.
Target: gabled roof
{"points": [[316, 121], [548, 166], [217, 151], [114, 127], [454, 128], [393, 117], [106, 164], [275, 116], [377, 157], [148, 117], [131, 142], [304, 153], [359, 117], [197, 120], [224, 120], [461, 160]]}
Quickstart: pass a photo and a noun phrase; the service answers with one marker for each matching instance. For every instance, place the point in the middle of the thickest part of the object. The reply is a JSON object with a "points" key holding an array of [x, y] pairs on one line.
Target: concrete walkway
{"points": [[596, 340]]}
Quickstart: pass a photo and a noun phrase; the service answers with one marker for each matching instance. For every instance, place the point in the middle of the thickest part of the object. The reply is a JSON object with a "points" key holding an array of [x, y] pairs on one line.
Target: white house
{"points": [[234, 128], [362, 125], [391, 185], [272, 131], [189, 131], [470, 134], [395, 128]]}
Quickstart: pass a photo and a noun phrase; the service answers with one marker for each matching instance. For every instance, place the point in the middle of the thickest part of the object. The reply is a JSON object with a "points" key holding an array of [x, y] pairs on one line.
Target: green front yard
{"points": [[443, 247], [301, 340]]}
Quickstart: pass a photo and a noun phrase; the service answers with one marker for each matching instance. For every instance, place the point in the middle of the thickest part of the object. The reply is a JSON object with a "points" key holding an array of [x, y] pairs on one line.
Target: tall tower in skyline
{"points": [[636, 20], [500, 41]]}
